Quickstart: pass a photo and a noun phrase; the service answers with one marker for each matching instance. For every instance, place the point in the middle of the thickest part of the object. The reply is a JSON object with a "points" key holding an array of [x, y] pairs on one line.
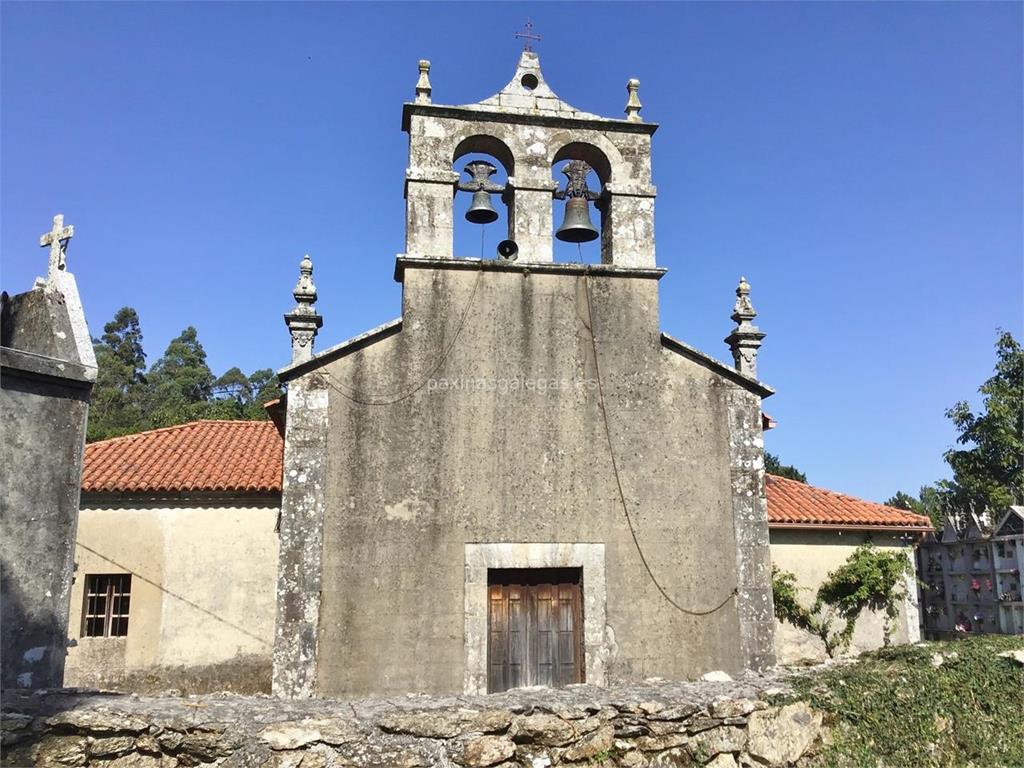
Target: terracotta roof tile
{"points": [[225, 456], [247, 456], [793, 503]]}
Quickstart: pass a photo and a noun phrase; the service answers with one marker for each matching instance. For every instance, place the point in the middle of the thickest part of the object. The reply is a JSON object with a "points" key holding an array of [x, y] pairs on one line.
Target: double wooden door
{"points": [[535, 628]]}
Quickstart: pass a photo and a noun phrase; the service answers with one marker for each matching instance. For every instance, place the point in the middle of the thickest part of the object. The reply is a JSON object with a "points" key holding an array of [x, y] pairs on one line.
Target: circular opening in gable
{"points": [[529, 82]]}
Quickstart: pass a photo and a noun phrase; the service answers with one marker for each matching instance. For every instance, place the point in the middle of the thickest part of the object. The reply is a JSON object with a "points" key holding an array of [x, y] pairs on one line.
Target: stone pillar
{"points": [[303, 322], [531, 220], [429, 211], [47, 370], [746, 338], [627, 238], [750, 519], [300, 552]]}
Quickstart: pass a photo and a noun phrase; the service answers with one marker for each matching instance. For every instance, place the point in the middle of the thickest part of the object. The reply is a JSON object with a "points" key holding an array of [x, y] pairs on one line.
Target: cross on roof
{"points": [[57, 238], [528, 35]]}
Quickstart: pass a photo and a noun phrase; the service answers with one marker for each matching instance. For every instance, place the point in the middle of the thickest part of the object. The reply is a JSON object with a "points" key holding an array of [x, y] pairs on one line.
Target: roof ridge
{"points": [[186, 425], [842, 495]]}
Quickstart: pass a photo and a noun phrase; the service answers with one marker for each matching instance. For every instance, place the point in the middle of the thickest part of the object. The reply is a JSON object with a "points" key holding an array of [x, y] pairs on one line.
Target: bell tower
{"points": [[532, 133]]}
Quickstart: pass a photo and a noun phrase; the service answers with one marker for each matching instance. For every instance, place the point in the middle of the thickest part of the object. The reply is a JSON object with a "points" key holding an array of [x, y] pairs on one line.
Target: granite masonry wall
{"points": [[715, 724]]}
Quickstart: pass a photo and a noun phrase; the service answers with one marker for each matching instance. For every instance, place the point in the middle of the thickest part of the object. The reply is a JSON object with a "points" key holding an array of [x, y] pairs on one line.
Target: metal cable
{"points": [[340, 389], [618, 479]]}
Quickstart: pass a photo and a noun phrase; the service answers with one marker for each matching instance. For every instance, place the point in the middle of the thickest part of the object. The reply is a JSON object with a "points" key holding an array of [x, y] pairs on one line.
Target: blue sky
{"points": [[860, 163]]}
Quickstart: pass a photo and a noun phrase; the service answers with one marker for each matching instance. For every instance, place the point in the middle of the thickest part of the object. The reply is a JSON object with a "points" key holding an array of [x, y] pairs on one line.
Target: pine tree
{"points": [[114, 408]]}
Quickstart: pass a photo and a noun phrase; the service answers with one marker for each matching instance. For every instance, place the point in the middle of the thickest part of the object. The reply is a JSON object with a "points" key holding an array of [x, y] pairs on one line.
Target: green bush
{"points": [[955, 703]]}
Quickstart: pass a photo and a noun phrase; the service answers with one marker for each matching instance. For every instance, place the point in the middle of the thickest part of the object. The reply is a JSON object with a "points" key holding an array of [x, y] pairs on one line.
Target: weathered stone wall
{"points": [[47, 372], [204, 572], [810, 556], [722, 725], [478, 422]]}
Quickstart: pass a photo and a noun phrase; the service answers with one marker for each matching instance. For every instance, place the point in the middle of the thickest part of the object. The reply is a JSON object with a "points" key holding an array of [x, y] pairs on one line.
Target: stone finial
{"points": [[746, 337], [303, 321], [633, 105], [57, 238], [423, 84]]}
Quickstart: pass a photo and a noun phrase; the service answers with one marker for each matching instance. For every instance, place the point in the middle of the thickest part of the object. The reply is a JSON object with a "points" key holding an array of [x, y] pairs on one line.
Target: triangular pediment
{"points": [[1012, 523]]}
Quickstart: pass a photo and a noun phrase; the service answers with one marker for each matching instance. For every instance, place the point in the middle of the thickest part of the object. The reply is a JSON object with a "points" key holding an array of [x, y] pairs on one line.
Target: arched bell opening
{"points": [[483, 198], [581, 172]]}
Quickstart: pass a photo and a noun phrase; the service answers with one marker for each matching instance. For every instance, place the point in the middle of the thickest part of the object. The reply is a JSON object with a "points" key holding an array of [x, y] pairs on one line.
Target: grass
{"points": [[894, 709]]}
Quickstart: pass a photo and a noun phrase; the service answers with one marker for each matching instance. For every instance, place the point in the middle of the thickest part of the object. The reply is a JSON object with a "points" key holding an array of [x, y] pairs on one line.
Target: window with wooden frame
{"points": [[107, 599]]}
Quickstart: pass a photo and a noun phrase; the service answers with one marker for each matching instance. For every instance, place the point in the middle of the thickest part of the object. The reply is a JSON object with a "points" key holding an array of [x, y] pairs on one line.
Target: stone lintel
{"points": [[621, 189], [35, 366], [403, 262], [492, 114], [542, 185]]}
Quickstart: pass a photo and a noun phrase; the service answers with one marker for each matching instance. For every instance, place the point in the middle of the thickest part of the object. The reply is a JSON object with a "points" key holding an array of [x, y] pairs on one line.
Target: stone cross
{"points": [[528, 35], [57, 238]]}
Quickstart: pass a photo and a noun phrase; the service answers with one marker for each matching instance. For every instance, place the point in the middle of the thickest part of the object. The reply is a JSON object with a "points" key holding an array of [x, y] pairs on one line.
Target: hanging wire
{"points": [[482, 228], [618, 479], [350, 395]]}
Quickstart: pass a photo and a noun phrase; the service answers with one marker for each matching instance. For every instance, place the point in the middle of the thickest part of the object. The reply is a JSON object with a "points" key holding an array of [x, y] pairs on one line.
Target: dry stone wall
{"points": [[716, 724]]}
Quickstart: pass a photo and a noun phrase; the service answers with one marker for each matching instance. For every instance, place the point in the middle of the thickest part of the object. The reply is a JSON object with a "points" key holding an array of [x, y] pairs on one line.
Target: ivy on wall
{"points": [[869, 579]]}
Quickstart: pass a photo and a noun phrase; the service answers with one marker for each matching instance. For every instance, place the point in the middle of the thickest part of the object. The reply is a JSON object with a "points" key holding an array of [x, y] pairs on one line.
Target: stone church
{"points": [[522, 480]]}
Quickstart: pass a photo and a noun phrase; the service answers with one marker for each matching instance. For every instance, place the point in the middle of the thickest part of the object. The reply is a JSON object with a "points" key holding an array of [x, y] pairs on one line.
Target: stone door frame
{"points": [[481, 557]]}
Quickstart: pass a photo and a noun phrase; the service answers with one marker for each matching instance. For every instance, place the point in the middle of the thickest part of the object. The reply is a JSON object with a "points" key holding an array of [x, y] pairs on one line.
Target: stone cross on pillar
{"points": [[746, 337], [303, 322], [57, 238]]}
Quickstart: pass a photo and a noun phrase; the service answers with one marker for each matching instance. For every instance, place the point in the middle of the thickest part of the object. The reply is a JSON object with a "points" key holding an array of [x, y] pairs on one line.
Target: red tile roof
{"points": [[225, 456], [793, 504], [247, 456]]}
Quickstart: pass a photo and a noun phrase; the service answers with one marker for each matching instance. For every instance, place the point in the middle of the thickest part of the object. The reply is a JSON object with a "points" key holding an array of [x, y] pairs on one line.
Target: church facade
{"points": [[521, 480]]}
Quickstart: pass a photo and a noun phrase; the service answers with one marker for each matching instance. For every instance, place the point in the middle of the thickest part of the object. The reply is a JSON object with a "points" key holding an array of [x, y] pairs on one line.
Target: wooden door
{"points": [[535, 628]]}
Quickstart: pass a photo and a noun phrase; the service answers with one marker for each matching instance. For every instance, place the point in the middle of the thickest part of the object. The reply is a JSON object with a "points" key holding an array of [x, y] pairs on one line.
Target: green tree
{"points": [[233, 385], [773, 466], [932, 501], [988, 471], [904, 501], [179, 387], [180, 383], [114, 408], [265, 387]]}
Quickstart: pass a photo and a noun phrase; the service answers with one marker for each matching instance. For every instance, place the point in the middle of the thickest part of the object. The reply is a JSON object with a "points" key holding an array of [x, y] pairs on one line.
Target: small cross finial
{"points": [[528, 36], [57, 238]]}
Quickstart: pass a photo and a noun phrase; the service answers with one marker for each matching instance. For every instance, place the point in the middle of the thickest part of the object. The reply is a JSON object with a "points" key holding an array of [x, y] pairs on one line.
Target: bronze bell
{"points": [[480, 209], [576, 226]]}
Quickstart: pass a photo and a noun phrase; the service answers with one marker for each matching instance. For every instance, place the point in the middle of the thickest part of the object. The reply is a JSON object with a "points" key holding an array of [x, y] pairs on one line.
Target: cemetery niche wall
{"points": [[971, 578]]}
